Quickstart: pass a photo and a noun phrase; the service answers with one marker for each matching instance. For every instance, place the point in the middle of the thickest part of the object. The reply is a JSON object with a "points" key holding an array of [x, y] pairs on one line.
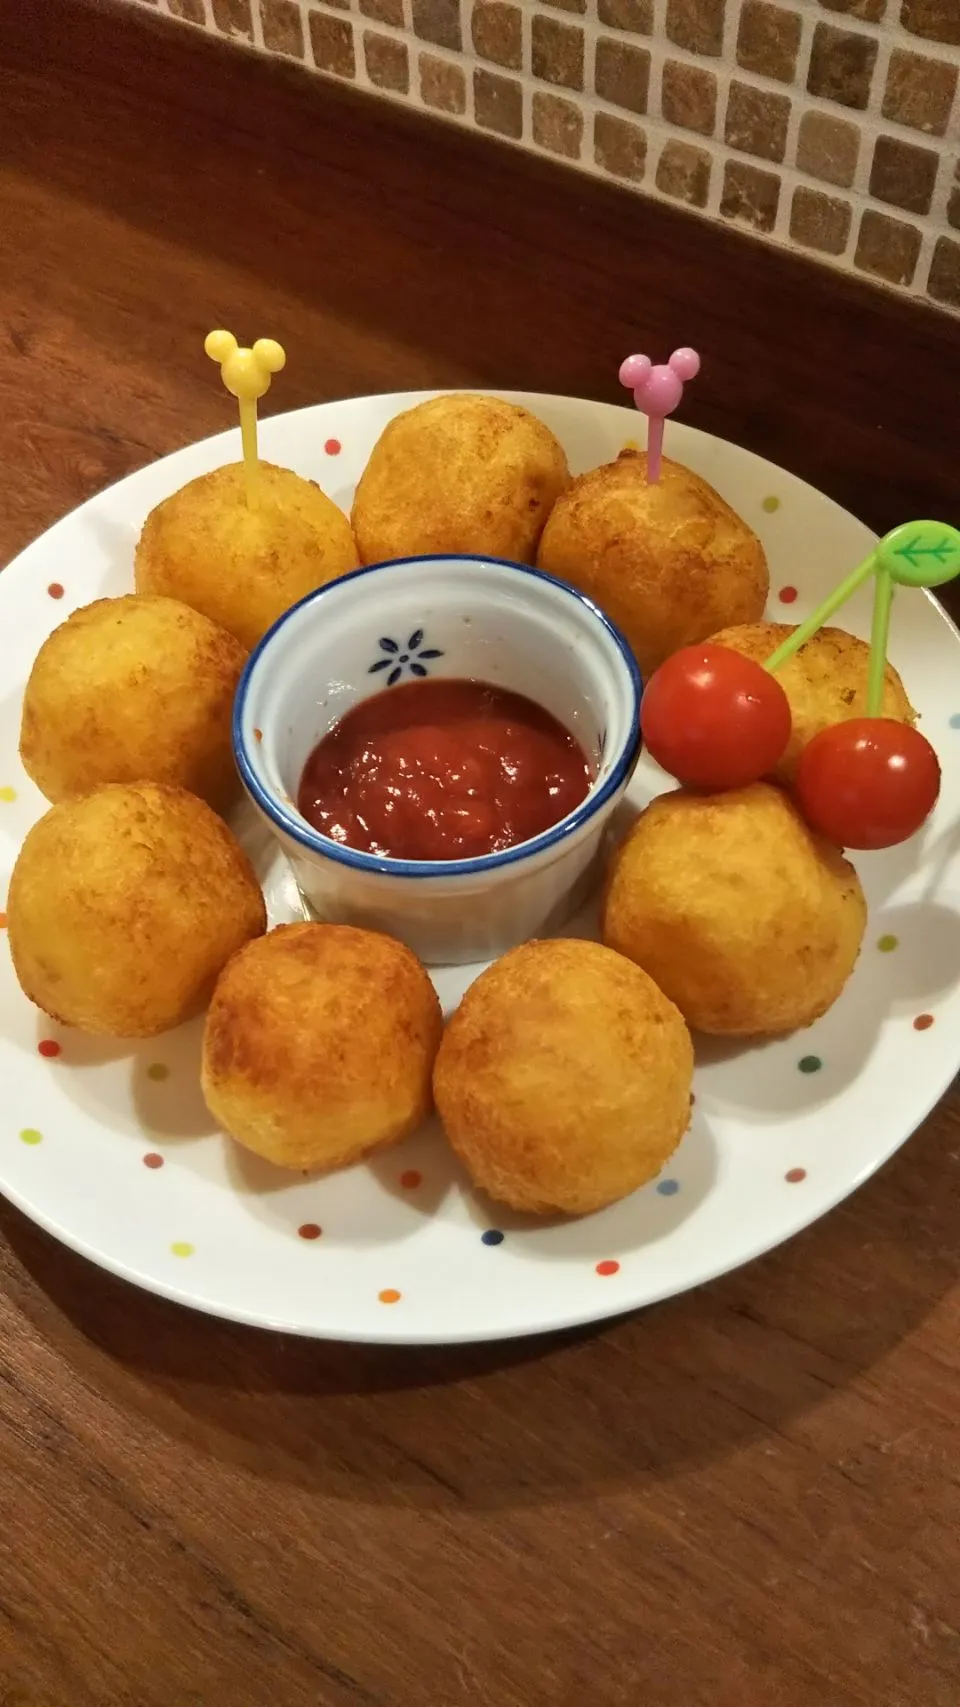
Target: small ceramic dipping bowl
{"points": [[464, 617]]}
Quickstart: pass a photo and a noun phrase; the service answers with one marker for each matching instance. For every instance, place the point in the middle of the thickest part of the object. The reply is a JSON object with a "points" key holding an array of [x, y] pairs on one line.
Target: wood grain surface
{"points": [[748, 1497]]}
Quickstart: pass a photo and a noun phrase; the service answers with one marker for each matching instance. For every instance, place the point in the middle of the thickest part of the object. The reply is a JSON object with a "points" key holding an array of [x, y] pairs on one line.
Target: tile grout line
{"points": [[468, 118], [845, 23], [526, 70], [307, 38], [658, 133], [724, 78], [797, 109], [870, 117], [802, 98], [722, 150]]}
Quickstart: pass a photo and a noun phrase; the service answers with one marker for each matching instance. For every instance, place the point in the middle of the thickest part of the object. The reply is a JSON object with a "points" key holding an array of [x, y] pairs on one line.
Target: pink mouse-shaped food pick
{"points": [[657, 392]]}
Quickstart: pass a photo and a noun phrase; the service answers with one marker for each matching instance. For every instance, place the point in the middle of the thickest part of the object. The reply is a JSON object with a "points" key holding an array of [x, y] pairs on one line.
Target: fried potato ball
{"points": [[241, 565], [319, 1045], [132, 690], [125, 905], [747, 920], [825, 682], [459, 474], [669, 563], [563, 1080]]}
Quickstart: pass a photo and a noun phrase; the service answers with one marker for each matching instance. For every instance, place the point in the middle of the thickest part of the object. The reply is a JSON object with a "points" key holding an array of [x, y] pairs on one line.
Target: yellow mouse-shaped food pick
{"points": [[246, 375], [245, 541]]}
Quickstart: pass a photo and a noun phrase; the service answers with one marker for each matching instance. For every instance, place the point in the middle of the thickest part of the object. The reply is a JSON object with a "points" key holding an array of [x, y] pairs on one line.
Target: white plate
{"points": [[406, 1252]]}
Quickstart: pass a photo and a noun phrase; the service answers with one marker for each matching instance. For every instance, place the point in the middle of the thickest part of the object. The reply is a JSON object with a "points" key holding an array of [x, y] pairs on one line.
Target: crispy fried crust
{"points": [[750, 922], [563, 1080], [459, 474], [239, 565], [124, 906], [319, 1045], [131, 690], [668, 563]]}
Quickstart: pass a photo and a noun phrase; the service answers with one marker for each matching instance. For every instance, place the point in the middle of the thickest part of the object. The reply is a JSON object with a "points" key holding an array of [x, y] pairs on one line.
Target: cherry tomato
{"points": [[714, 719], [868, 783]]}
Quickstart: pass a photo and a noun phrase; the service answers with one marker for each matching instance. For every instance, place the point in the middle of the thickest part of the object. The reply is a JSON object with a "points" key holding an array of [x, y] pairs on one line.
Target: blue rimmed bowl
{"points": [[472, 617]]}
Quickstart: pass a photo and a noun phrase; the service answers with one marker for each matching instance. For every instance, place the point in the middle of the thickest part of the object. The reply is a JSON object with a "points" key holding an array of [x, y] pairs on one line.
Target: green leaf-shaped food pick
{"points": [[917, 554], [921, 554]]}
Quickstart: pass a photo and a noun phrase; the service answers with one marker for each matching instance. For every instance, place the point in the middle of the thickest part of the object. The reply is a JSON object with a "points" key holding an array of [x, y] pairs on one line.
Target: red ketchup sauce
{"points": [[441, 770]]}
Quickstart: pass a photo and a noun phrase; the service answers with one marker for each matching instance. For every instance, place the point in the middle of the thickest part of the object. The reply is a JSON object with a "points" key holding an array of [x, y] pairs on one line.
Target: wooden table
{"points": [[747, 1497]]}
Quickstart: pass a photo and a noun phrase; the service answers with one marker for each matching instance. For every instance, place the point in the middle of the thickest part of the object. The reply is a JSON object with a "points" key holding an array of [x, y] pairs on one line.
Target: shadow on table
{"points": [[494, 1426]]}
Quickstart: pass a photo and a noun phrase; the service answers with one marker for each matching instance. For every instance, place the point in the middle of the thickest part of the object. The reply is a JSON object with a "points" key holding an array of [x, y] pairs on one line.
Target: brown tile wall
{"points": [[830, 126]]}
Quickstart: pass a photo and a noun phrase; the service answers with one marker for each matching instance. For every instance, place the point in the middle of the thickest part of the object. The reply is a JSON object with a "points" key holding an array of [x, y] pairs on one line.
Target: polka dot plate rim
{"points": [[771, 1147]]}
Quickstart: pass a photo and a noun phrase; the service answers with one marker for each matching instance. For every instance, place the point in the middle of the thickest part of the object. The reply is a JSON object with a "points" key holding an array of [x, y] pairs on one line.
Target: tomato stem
{"points": [[823, 613], [879, 633]]}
